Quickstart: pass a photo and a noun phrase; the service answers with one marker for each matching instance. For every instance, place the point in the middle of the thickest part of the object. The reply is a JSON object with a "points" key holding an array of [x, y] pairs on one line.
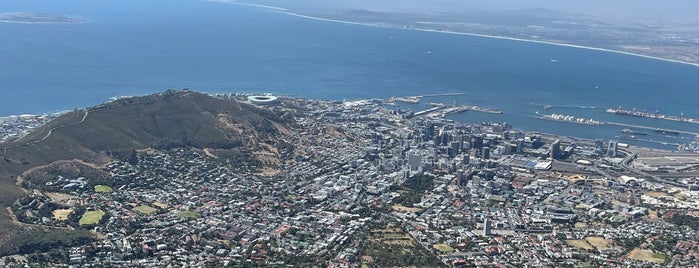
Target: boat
{"points": [[666, 131], [547, 107], [655, 115], [569, 119], [628, 137], [632, 132]]}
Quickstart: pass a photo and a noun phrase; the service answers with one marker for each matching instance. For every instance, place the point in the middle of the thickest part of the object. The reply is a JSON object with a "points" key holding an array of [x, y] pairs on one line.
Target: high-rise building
{"points": [[485, 153], [415, 161], [599, 146], [476, 141], [456, 146], [487, 227], [612, 148], [555, 150], [520, 146]]}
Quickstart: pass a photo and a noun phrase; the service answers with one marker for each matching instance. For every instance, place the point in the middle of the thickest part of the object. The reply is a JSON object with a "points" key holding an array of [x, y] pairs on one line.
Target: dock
{"points": [[416, 99], [648, 140], [434, 109], [549, 106], [656, 115], [653, 128], [587, 121], [444, 110], [441, 95]]}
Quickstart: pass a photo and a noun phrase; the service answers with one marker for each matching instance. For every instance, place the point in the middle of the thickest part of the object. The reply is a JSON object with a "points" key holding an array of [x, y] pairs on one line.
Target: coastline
{"points": [[285, 11], [247, 4], [492, 36]]}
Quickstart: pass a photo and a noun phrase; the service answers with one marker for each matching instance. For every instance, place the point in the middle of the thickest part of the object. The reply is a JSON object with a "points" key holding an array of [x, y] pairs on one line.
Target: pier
{"points": [[587, 121], [647, 140], [430, 110], [568, 119], [418, 98], [655, 115], [549, 106], [653, 128], [444, 110], [441, 95]]}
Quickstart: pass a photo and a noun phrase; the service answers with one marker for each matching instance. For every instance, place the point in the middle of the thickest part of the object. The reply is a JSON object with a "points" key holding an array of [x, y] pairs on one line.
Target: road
{"points": [[630, 156]]}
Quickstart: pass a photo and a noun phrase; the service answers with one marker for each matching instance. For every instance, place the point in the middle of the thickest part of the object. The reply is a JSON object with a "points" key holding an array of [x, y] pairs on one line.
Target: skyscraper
{"points": [[487, 227], [612, 148], [555, 149]]}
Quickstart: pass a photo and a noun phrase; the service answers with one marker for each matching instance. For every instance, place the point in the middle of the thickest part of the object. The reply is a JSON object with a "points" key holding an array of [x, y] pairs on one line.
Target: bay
{"points": [[140, 47]]}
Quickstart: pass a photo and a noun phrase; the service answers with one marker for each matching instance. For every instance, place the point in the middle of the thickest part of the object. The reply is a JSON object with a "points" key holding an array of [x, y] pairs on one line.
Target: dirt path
{"points": [[20, 178], [207, 151]]}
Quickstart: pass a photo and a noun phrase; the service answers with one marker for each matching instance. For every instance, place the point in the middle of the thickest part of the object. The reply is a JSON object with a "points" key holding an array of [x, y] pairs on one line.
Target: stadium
{"points": [[263, 100]]}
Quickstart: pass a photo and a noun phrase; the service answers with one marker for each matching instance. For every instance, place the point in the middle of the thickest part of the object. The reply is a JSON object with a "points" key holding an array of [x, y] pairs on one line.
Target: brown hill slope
{"points": [[101, 134]]}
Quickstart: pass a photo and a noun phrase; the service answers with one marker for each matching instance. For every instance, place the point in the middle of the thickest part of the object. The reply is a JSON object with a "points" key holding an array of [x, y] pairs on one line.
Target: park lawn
{"points": [[148, 210], [599, 242], [392, 236], [61, 214], [401, 208], [103, 189], [646, 255], [444, 248], [403, 242], [91, 217], [160, 205], [579, 244], [188, 214]]}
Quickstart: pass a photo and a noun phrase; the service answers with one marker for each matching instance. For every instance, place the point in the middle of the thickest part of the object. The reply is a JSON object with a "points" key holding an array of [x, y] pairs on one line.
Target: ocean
{"points": [[140, 47]]}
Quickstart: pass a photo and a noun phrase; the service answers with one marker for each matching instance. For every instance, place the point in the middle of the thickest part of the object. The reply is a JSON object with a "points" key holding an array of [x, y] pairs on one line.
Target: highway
{"points": [[630, 156]]}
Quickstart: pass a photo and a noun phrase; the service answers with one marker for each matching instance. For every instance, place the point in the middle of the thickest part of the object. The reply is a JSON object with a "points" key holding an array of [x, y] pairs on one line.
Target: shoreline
{"points": [[286, 12], [491, 36]]}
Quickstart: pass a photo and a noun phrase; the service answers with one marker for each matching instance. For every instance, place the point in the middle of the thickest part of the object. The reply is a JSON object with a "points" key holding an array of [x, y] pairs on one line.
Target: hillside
{"points": [[228, 130]]}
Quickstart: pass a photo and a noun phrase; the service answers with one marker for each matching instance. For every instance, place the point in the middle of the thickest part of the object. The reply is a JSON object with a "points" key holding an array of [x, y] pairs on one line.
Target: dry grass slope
{"points": [[101, 134]]}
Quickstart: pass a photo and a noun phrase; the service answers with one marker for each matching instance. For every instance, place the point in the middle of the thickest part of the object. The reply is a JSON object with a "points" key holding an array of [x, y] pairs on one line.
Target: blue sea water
{"points": [[139, 47]]}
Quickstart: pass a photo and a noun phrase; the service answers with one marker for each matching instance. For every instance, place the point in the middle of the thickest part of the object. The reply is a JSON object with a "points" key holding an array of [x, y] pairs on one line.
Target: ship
{"points": [[408, 100], [632, 132], [568, 118], [666, 131], [627, 137], [656, 115]]}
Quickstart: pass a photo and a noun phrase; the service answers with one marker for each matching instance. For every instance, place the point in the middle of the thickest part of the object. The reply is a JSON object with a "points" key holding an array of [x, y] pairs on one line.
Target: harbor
{"points": [[627, 127], [550, 106], [442, 110], [568, 119], [634, 138], [656, 115], [418, 98], [655, 129]]}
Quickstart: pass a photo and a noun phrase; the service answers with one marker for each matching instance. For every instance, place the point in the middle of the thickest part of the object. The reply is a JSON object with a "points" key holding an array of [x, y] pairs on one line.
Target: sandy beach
{"points": [[285, 11]]}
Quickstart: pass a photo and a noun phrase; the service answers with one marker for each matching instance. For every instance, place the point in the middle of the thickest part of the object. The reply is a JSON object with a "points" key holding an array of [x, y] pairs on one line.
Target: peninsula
{"points": [[27, 17]]}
